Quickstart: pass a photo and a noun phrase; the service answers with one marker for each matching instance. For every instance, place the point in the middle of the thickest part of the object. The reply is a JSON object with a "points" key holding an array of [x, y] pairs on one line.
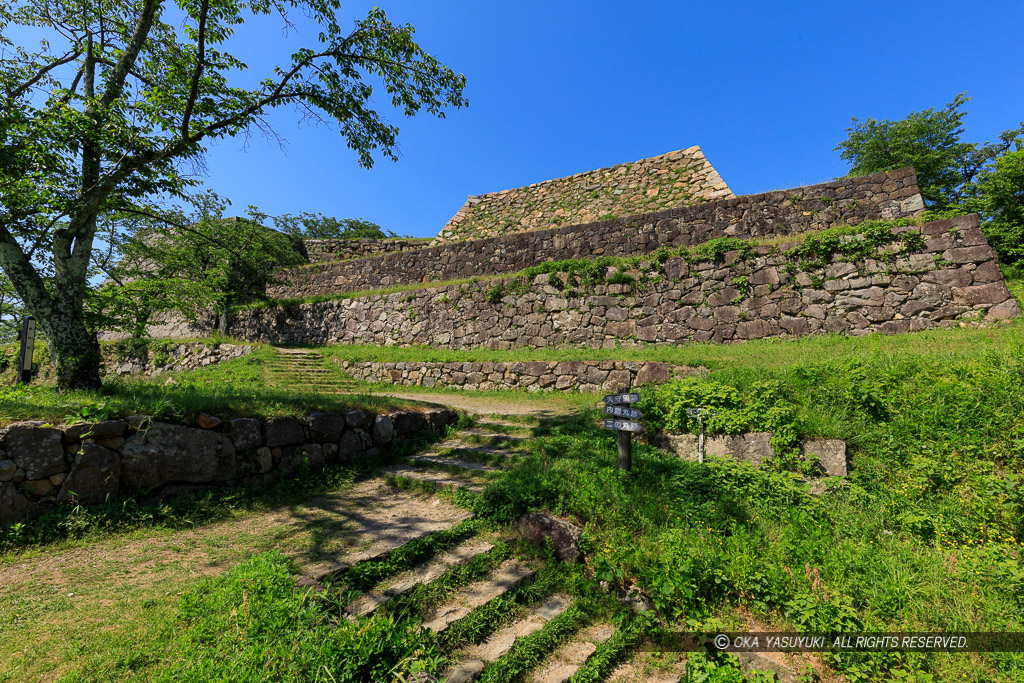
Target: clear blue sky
{"points": [[766, 89]]}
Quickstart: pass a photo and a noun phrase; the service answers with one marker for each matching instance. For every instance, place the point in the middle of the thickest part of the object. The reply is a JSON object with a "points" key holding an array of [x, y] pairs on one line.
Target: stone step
{"points": [[394, 537], [567, 660], [417, 576], [641, 668], [484, 434], [437, 477], [433, 460], [508, 576], [478, 656]]}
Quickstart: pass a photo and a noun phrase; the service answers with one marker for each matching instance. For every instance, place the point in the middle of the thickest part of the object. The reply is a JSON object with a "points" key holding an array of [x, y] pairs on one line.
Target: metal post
{"points": [[625, 442], [28, 343], [700, 441]]}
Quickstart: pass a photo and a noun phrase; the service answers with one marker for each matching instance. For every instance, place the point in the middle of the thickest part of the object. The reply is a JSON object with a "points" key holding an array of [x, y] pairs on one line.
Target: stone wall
{"points": [[320, 251], [155, 359], [755, 447], [42, 465], [951, 278], [584, 376], [667, 181], [773, 214]]}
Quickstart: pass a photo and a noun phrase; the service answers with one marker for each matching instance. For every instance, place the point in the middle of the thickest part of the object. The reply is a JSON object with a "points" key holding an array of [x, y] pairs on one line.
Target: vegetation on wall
{"points": [[954, 175]]}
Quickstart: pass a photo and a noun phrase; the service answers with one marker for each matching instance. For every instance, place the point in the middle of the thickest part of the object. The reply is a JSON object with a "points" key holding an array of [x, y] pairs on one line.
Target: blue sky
{"points": [[766, 89]]}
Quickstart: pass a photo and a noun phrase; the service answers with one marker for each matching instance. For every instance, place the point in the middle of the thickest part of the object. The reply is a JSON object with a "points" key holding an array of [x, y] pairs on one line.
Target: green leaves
{"points": [[113, 109]]}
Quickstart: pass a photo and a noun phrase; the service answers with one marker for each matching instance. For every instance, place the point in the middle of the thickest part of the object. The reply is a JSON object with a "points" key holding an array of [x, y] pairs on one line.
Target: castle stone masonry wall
{"points": [[320, 251], [662, 182], [954, 278], [43, 466], [591, 377], [773, 214]]}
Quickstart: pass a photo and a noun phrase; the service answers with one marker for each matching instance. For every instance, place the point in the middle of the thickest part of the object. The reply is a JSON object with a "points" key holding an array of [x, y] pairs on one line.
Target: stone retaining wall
{"points": [[319, 251], [666, 181], [952, 278], [592, 377], [773, 214], [755, 447], [150, 361], [42, 465]]}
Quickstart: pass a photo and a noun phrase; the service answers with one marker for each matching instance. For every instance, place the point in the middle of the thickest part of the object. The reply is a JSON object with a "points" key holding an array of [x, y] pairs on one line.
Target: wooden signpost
{"points": [[28, 345], [624, 422]]}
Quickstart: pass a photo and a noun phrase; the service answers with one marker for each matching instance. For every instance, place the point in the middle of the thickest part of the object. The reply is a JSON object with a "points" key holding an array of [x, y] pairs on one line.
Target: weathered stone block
{"points": [[245, 432], [283, 431], [36, 449], [95, 430], [831, 454], [541, 529], [654, 373], [408, 422], [383, 430], [95, 474], [15, 507], [324, 427], [167, 453]]}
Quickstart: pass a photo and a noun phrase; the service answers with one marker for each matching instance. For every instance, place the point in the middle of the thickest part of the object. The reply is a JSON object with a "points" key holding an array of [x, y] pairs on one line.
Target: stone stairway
{"points": [[483, 599], [306, 370]]}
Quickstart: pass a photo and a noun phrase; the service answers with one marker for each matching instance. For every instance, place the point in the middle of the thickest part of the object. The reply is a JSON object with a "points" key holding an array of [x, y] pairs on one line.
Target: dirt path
{"points": [[60, 609]]}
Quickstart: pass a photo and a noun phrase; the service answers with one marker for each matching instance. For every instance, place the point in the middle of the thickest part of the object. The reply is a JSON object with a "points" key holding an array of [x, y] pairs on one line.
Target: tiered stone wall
{"points": [[42, 465], [320, 251], [953, 278], [781, 213], [670, 180], [584, 376], [148, 360]]}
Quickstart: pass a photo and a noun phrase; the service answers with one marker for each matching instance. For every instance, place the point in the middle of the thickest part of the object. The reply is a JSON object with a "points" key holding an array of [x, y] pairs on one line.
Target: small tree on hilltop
{"points": [[930, 141], [117, 102], [316, 226], [205, 263]]}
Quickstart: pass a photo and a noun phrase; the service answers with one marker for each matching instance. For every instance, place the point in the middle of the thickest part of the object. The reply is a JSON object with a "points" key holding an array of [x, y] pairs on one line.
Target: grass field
{"points": [[925, 534]]}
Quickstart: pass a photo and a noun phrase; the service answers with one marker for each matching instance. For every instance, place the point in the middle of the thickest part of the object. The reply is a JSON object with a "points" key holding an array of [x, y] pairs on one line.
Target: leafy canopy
{"points": [[930, 141], [110, 114]]}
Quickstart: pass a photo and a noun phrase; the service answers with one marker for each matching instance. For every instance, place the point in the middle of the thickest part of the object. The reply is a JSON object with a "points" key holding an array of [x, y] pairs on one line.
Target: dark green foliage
{"points": [[316, 226], [930, 141], [252, 624], [999, 197]]}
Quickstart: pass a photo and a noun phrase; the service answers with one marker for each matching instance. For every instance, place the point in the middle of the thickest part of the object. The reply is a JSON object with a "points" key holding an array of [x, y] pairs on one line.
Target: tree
{"points": [[11, 311], [999, 197], [930, 141], [191, 266], [316, 226], [113, 109]]}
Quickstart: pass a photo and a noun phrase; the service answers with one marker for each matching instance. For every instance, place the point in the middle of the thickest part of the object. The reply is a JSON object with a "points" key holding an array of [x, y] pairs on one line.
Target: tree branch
{"points": [[131, 53], [197, 72], [41, 74]]}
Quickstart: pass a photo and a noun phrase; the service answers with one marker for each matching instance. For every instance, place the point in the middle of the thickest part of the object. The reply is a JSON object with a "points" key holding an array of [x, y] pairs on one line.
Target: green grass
{"points": [[229, 389], [925, 535]]}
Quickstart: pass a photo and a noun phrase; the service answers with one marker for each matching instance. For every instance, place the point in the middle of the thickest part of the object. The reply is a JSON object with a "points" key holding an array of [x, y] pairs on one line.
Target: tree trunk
{"points": [[75, 352]]}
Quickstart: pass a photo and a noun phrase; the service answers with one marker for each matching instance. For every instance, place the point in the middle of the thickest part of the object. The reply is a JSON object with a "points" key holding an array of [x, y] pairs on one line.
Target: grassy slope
{"points": [[226, 389]]}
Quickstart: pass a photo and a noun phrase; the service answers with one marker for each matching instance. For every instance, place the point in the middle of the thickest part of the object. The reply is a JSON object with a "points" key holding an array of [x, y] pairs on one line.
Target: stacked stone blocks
{"points": [[42, 465], [774, 214], [669, 180], [953, 278]]}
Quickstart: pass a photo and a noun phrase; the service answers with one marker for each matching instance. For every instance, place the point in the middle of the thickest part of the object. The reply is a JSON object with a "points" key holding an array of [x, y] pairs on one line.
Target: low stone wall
{"points": [[121, 361], [583, 376], [42, 465], [665, 181], [755, 447], [952, 278], [773, 214], [319, 251]]}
